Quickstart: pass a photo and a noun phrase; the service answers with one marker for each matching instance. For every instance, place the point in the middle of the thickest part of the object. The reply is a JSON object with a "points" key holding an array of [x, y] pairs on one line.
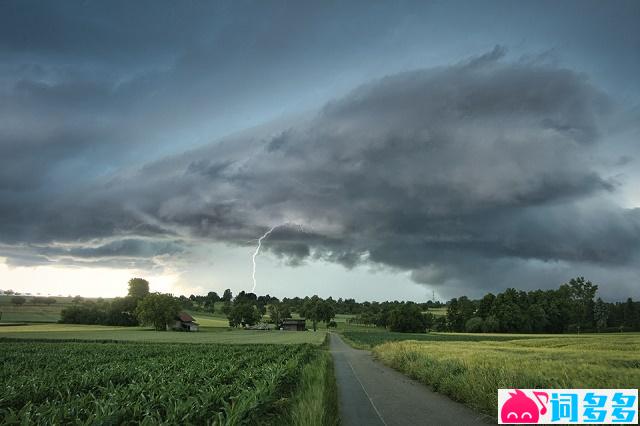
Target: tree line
{"points": [[572, 307]]}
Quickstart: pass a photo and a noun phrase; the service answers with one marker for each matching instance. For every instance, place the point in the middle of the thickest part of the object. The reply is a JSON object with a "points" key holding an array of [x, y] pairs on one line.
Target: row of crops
{"points": [[118, 383]]}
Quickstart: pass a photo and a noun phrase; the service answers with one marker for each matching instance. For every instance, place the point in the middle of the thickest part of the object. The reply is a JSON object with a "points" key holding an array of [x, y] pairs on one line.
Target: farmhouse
{"points": [[294, 325], [185, 322]]}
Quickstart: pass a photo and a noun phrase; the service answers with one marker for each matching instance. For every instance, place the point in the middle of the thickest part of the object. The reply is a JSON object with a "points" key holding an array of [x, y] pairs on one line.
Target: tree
{"points": [[226, 308], [83, 313], [210, 300], [138, 288], [18, 300], [459, 311], [485, 306], [121, 311], [581, 293], [227, 296], [157, 310], [491, 325], [600, 314], [278, 312], [407, 318], [630, 314], [244, 313], [474, 325], [537, 318], [317, 310]]}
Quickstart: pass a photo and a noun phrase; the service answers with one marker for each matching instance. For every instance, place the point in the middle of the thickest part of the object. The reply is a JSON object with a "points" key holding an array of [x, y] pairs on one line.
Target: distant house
{"points": [[185, 322], [294, 325]]}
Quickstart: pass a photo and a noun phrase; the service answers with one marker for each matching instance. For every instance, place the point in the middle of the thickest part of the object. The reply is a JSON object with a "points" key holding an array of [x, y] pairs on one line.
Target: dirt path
{"points": [[372, 394]]}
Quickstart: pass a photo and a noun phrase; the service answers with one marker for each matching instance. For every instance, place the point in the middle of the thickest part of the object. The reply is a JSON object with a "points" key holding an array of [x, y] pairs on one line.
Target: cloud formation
{"points": [[473, 174]]}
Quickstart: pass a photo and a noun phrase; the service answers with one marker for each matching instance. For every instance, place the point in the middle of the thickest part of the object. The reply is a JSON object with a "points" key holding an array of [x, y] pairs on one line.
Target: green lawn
{"points": [[206, 335], [471, 371]]}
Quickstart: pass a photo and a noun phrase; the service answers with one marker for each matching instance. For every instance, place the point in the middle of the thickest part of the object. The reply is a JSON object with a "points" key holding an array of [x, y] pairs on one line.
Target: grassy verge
{"points": [[315, 402], [471, 372]]}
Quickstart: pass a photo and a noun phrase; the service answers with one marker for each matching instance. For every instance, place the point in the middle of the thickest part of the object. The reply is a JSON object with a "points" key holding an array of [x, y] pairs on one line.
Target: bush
{"points": [[491, 325], [18, 300], [474, 325], [408, 318]]}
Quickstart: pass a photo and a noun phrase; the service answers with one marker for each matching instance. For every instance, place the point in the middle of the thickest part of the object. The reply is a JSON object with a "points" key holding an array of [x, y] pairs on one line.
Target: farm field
{"points": [[207, 319], [30, 313], [368, 337], [439, 312], [470, 371], [114, 383], [139, 334]]}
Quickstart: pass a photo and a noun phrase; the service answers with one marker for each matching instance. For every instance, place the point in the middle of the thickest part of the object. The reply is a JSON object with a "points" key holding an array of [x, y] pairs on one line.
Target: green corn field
{"points": [[125, 383]]}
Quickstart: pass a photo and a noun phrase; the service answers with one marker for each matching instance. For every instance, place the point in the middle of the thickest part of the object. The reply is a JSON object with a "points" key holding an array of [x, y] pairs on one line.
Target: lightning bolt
{"points": [[255, 253]]}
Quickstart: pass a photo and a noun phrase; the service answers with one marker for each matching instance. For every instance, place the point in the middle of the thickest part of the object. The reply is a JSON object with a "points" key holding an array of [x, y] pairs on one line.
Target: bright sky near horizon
{"points": [[449, 147]]}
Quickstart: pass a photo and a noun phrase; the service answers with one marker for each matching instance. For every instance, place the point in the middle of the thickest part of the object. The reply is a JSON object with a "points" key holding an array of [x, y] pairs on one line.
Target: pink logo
{"points": [[519, 408]]}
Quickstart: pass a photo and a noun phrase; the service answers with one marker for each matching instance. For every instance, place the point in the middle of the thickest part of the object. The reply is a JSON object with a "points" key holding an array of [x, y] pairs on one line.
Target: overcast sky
{"points": [[405, 148]]}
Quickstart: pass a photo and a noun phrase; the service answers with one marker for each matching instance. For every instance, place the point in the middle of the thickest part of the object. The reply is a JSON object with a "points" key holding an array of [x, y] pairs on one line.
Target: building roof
{"points": [[294, 321], [185, 317]]}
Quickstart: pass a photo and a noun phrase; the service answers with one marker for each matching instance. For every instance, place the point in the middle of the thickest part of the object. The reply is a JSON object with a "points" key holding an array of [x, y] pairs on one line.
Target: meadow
{"points": [[114, 383], [31, 312], [100, 333], [471, 370]]}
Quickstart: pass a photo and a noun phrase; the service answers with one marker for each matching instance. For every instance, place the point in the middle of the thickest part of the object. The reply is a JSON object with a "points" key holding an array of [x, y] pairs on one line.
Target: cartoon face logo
{"points": [[519, 408]]}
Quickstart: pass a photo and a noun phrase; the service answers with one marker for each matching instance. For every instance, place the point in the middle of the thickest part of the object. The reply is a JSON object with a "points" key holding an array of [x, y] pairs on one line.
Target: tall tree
{"points": [[600, 314], [630, 315], [582, 293], [138, 288], [227, 296], [210, 300]]}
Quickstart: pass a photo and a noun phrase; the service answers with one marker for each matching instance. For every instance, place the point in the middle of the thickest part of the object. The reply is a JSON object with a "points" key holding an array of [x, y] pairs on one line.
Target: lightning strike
{"points": [[255, 253]]}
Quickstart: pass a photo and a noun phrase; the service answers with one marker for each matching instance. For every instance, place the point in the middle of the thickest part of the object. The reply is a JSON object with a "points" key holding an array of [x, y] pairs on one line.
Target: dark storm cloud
{"points": [[444, 172]]}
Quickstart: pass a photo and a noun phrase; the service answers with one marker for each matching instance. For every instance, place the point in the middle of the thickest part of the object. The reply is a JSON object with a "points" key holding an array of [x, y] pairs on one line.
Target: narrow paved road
{"points": [[372, 394]]}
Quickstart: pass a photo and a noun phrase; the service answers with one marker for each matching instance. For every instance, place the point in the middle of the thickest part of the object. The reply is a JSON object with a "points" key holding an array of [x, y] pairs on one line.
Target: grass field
{"points": [[472, 371], [30, 313], [139, 334], [114, 383], [207, 319], [368, 338], [438, 311]]}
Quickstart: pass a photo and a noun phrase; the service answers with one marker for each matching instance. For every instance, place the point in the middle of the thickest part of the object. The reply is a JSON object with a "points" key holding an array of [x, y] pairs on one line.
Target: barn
{"points": [[185, 322], [294, 325]]}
